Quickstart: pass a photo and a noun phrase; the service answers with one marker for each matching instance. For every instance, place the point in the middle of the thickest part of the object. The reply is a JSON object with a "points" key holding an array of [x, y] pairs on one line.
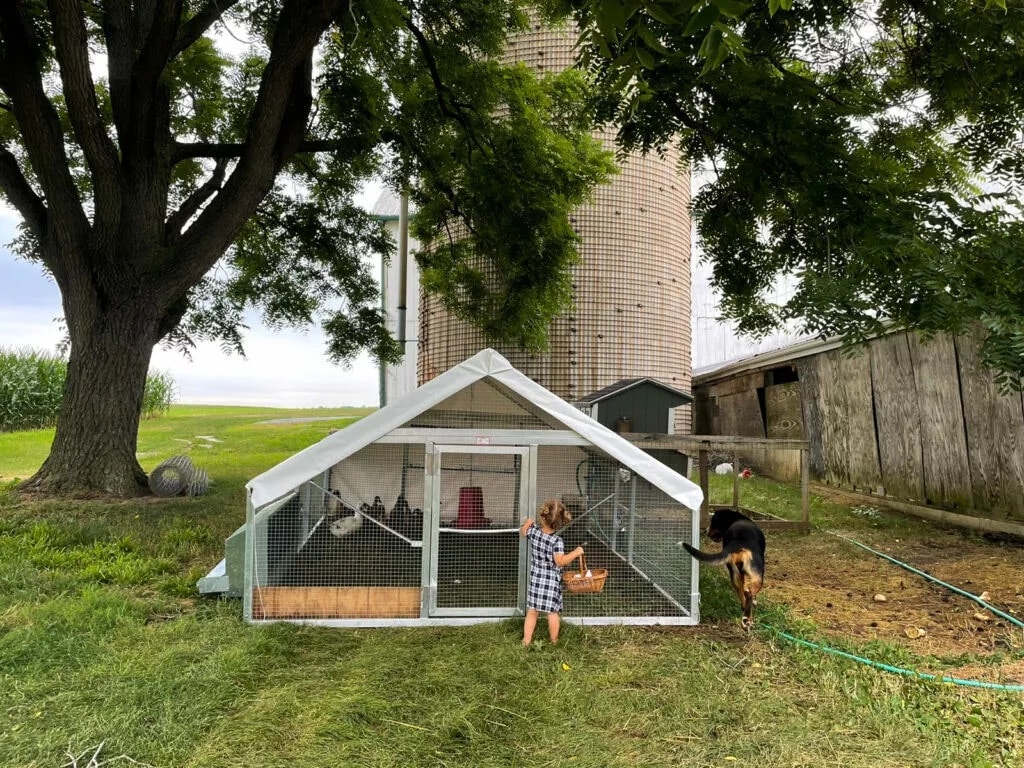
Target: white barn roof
{"points": [[295, 470]]}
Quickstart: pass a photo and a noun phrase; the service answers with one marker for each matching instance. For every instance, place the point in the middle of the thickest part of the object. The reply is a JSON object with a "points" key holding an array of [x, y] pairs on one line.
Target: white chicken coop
{"points": [[410, 516]]}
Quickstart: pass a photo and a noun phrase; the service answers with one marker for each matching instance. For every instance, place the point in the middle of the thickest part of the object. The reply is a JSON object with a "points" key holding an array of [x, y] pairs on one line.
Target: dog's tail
{"points": [[715, 558]]}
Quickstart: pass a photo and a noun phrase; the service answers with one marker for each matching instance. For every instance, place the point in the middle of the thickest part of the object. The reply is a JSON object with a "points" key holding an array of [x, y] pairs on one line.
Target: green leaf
{"points": [[732, 8], [715, 51], [701, 20], [659, 13], [615, 14], [712, 43], [652, 40], [605, 21], [645, 58]]}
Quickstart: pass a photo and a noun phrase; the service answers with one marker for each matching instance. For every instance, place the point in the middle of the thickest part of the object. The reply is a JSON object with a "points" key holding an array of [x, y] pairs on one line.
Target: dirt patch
{"points": [[851, 593]]}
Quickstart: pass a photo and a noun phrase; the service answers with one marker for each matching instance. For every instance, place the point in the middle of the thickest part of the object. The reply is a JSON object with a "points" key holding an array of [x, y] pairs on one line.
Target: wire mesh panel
{"points": [[484, 405], [347, 544], [476, 565], [626, 525]]}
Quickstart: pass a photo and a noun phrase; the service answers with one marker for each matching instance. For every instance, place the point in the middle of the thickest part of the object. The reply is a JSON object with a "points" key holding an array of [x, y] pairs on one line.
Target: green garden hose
{"points": [[901, 670]]}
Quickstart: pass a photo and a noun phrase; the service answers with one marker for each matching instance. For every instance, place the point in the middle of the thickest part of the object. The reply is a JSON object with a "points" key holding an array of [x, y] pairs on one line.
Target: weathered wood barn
{"points": [[897, 419]]}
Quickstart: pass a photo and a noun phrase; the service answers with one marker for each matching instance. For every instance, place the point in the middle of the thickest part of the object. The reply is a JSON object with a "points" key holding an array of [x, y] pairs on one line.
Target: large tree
{"points": [[870, 150], [176, 162]]}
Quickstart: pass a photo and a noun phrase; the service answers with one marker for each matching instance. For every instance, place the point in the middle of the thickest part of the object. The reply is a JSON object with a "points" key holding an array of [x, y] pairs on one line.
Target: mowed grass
{"points": [[104, 640]]}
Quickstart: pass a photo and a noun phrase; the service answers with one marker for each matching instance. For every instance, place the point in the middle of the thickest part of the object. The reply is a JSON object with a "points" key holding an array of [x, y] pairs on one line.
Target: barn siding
{"points": [[736, 385], [947, 473], [834, 431], [922, 422], [741, 414], [810, 406], [782, 411], [855, 379], [995, 434], [897, 417]]}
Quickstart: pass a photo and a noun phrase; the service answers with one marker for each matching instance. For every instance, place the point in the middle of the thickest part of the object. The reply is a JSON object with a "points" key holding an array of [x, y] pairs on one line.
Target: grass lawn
{"points": [[104, 643]]}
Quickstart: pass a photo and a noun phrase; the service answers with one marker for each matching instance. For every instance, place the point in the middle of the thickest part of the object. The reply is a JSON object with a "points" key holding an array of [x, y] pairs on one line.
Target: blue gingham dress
{"points": [[544, 592]]}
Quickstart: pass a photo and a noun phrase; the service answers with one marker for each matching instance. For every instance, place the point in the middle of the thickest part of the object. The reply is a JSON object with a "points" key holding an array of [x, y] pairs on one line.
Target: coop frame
{"points": [[631, 466]]}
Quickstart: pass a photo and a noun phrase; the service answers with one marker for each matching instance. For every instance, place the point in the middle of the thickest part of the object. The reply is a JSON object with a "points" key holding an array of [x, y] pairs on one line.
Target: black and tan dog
{"points": [[742, 554]]}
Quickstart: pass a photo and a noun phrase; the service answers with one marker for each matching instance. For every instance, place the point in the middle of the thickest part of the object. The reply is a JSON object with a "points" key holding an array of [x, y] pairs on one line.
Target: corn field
{"points": [[32, 384]]}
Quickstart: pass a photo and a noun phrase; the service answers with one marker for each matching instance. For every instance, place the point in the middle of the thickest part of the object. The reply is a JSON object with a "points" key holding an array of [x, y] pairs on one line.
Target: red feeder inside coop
{"points": [[471, 508]]}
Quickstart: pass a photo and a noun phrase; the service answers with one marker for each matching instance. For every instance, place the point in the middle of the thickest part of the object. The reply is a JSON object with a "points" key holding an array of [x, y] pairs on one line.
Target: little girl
{"points": [[547, 557]]}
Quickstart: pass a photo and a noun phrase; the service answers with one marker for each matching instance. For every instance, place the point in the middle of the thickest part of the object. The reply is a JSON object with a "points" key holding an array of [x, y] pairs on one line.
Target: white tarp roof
{"points": [[319, 457]]}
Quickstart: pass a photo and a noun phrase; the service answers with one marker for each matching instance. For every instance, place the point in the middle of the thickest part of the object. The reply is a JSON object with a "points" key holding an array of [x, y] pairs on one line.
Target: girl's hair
{"points": [[554, 514]]}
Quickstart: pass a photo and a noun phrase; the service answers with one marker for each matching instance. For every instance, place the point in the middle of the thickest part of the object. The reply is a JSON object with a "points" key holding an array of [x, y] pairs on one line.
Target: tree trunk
{"points": [[94, 448]]}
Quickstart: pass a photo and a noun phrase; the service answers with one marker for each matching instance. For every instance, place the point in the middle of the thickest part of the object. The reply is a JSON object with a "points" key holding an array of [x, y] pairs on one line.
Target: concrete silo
{"points": [[632, 287]]}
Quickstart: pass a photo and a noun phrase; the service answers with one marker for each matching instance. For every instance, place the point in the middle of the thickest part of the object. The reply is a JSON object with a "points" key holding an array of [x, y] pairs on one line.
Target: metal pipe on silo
{"points": [[403, 265]]}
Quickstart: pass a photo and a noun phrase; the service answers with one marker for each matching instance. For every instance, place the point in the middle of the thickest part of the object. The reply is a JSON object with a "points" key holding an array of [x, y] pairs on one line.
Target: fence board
{"points": [[995, 435], [336, 602], [897, 417], [785, 420], [835, 426], [855, 379], [947, 473], [783, 412], [810, 407], [736, 384], [740, 414]]}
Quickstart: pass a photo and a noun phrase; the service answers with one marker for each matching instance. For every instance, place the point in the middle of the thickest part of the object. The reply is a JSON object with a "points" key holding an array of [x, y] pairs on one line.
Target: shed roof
{"points": [[282, 479], [626, 384], [387, 206]]}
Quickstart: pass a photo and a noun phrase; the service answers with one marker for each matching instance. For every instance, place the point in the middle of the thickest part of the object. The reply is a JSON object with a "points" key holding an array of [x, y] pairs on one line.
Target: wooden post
{"points": [[736, 479], [702, 463], [805, 483]]}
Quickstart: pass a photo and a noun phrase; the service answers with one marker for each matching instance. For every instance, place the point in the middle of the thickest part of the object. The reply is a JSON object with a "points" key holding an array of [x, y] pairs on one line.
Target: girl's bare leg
{"points": [[529, 625], [554, 624]]}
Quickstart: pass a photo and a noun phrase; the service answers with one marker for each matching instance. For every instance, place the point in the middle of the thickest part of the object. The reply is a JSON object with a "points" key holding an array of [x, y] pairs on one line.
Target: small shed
{"points": [[411, 515], [635, 405], [640, 406]]}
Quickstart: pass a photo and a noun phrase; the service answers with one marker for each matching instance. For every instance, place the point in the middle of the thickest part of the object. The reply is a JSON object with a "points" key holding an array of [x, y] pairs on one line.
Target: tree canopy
{"points": [[871, 150], [176, 162]]}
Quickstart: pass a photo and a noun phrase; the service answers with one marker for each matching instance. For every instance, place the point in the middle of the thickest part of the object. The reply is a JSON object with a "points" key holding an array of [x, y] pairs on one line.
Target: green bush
{"points": [[32, 385], [159, 395]]}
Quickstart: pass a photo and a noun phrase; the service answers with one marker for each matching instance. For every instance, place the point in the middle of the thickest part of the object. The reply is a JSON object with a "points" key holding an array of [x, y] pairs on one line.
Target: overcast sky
{"points": [[281, 368]]}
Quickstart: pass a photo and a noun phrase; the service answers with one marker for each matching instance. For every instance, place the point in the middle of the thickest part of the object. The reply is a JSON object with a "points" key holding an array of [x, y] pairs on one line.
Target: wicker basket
{"points": [[578, 582]]}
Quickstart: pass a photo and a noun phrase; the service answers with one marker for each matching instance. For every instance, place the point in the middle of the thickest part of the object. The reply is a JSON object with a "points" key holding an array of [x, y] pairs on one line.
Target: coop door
{"points": [[479, 495]]}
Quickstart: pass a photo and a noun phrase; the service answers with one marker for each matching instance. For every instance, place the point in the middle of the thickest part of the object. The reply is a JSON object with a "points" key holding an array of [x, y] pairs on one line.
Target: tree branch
{"points": [[191, 205], [145, 133], [275, 133], [435, 75], [120, 60], [158, 47], [199, 24], [20, 193], [38, 121], [139, 47], [71, 48], [188, 151]]}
